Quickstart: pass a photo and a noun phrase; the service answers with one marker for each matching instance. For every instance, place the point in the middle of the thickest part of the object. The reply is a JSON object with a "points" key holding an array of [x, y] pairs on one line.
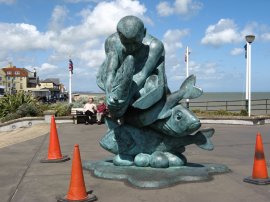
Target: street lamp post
{"points": [[249, 40]]}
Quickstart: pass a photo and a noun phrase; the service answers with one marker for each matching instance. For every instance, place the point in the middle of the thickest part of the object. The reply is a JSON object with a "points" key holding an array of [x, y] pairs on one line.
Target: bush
{"points": [[10, 116], [42, 107], [61, 109], [11, 102], [28, 109], [80, 102], [220, 112], [243, 112]]}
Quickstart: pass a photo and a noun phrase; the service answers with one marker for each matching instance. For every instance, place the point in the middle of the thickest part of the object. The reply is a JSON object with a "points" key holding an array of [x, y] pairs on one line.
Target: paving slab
{"points": [[24, 179]]}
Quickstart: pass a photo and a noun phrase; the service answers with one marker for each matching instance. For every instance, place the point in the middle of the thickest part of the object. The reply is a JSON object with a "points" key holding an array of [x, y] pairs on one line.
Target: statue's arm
{"points": [[111, 63], [155, 52]]}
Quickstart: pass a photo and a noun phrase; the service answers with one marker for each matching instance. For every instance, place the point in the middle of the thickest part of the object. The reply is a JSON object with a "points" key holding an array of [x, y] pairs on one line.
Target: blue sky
{"points": [[42, 34]]}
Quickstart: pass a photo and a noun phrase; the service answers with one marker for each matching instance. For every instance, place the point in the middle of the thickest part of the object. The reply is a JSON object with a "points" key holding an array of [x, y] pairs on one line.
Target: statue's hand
{"points": [[138, 78], [113, 102]]}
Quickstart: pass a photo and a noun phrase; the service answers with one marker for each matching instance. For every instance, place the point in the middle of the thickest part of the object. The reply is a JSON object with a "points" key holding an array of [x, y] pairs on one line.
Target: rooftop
{"points": [[15, 71], [56, 81]]}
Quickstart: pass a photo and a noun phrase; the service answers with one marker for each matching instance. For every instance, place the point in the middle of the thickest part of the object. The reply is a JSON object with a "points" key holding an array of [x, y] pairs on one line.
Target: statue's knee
{"points": [[129, 59]]}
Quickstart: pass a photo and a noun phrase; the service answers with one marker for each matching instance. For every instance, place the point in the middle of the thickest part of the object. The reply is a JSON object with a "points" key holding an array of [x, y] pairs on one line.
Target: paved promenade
{"points": [[24, 179]]}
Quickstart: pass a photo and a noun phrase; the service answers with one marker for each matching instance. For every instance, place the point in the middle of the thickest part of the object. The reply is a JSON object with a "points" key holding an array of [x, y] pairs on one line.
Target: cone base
{"points": [[89, 198], [64, 158], [257, 181]]}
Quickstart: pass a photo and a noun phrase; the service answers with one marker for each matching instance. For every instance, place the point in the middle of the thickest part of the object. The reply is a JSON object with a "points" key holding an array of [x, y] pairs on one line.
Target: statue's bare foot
{"points": [[123, 160], [176, 159], [159, 160], [142, 160]]}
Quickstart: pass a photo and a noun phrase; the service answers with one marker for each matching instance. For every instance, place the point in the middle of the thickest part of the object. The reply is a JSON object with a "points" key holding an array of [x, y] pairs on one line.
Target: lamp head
{"points": [[250, 38]]}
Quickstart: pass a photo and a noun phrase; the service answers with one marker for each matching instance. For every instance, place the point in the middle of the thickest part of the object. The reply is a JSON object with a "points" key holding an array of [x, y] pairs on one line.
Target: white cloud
{"points": [[46, 70], [105, 15], [164, 9], [172, 40], [21, 37], [96, 24], [224, 32], [45, 67], [83, 42], [206, 71], [8, 2], [58, 18], [237, 51], [181, 7], [207, 74], [266, 36]]}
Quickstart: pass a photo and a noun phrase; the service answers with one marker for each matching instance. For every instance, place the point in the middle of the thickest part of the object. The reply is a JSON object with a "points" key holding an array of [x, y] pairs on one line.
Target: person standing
{"points": [[90, 110]]}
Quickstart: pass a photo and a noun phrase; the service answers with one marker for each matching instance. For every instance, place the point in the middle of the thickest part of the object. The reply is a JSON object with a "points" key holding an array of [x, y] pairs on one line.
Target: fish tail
{"points": [[203, 138], [191, 91]]}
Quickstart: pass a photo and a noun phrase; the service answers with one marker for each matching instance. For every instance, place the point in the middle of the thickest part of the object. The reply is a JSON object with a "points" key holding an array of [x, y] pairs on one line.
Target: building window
{"points": [[0, 78], [21, 87], [9, 72], [8, 77], [9, 85], [17, 73]]}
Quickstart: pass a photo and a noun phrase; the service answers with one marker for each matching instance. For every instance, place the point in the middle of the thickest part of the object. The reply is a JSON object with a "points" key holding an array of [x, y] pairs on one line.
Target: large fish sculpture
{"points": [[162, 110], [158, 133], [127, 142]]}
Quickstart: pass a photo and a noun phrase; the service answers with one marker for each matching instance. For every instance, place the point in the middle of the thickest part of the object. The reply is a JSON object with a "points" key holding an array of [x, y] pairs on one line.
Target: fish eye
{"points": [[178, 116]]}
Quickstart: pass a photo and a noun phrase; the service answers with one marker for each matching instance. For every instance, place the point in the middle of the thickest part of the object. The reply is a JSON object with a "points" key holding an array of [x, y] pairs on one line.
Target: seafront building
{"points": [[52, 85], [2, 81], [14, 79]]}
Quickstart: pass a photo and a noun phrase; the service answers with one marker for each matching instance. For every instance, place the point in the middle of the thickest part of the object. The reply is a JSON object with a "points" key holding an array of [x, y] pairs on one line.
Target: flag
{"points": [[70, 66], [186, 55], [245, 47]]}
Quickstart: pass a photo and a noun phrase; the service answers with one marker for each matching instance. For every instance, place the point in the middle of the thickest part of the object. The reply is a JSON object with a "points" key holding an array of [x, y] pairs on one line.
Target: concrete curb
{"points": [[29, 121], [233, 120]]}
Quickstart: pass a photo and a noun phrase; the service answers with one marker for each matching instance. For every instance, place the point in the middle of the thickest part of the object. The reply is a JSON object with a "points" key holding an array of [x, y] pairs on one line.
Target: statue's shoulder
{"points": [[112, 38], [111, 42], [153, 42]]}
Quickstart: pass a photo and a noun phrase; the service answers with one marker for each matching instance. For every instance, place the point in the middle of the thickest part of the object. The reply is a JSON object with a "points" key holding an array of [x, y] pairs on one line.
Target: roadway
{"points": [[24, 179]]}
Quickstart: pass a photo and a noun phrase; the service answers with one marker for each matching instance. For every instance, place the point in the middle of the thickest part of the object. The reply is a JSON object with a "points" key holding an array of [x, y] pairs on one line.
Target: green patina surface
{"points": [[148, 127], [155, 177]]}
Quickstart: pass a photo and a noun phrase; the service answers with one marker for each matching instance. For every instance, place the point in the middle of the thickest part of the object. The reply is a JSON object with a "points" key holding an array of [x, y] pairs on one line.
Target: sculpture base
{"points": [[146, 177]]}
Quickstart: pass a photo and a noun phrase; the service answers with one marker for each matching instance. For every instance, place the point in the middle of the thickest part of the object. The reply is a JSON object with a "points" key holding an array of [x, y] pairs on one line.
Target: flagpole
{"points": [[187, 55], [70, 96], [187, 73]]}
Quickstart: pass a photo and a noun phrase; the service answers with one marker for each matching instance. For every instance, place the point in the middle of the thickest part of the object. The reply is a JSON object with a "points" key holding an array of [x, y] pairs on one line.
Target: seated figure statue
{"points": [[132, 56], [148, 125]]}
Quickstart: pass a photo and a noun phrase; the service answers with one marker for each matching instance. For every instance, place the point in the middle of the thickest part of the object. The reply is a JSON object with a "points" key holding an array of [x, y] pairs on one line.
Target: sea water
{"points": [[228, 96], [233, 101], [230, 101]]}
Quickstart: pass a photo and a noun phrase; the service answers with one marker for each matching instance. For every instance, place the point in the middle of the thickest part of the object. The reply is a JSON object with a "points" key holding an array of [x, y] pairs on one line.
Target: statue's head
{"points": [[131, 32]]}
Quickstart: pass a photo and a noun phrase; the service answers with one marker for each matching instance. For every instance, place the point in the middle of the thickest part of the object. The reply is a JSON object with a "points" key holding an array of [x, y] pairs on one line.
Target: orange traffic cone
{"points": [[77, 191], [259, 174], [54, 151]]}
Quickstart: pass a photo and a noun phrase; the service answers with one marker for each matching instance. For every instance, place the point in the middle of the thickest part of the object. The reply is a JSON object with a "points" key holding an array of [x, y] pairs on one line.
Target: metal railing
{"points": [[258, 106]]}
